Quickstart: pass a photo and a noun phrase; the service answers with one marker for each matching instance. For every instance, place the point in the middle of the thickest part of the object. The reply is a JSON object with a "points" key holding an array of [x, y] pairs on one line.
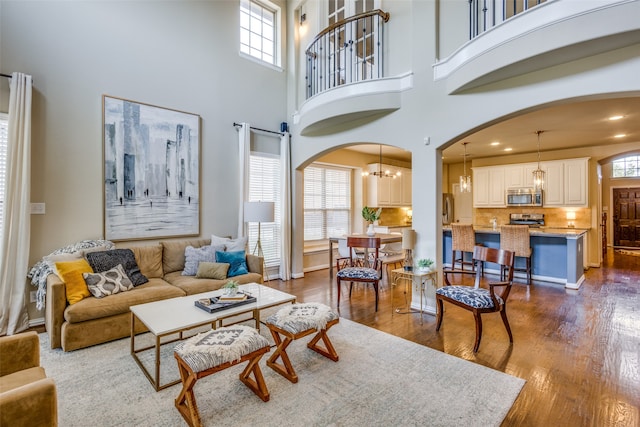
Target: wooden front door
{"points": [[626, 217]]}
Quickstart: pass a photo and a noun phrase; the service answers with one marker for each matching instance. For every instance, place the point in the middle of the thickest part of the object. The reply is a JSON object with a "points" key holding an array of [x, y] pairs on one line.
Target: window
{"points": [[258, 36], [327, 202], [628, 167], [4, 129], [264, 186]]}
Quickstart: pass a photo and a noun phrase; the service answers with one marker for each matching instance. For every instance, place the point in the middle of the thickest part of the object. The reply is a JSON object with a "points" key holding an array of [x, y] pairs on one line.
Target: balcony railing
{"points": [[346, 52], [486, 14]]}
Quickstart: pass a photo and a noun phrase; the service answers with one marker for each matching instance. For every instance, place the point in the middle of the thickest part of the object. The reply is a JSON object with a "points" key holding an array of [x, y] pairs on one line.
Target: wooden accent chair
{"points": [[474, 298], [463, 240], [515, 238], [370, 272]]}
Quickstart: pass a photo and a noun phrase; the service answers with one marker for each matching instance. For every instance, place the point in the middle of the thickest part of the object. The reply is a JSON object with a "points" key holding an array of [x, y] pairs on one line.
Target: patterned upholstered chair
{"points": [[370, 272], [474, 298], [515, 238]]}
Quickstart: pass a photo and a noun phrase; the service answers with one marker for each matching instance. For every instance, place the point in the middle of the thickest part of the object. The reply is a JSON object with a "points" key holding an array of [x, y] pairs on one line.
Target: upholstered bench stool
{"points": [[210, 352], [296, 321]]}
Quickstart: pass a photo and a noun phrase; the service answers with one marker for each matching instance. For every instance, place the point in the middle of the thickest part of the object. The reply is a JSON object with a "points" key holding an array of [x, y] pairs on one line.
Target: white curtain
{"points": [[244, 147], [285, 197], [16, 227]]}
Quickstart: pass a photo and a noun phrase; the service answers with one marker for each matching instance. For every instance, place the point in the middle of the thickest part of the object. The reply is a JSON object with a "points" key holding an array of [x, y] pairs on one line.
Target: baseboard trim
{"points": [[36, 322]]}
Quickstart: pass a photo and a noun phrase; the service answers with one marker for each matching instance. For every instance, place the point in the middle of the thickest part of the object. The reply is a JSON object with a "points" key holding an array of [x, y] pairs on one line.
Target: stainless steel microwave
{"points": [[524, 197]]}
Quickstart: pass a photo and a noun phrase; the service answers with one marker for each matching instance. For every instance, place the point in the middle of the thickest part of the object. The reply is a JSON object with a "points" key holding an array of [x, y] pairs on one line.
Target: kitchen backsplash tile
{"points": [[394, 217], [553, 217]]}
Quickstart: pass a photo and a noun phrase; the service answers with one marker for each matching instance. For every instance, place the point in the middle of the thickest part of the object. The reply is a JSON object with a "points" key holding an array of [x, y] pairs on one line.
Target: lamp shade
{"points": [[408, 238], [258, 211]]}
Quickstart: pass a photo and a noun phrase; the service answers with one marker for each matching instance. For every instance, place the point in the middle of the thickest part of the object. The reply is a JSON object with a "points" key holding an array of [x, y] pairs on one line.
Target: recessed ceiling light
{"points": [[508, 149], [620, 135], [495, 143], [616, 117]]}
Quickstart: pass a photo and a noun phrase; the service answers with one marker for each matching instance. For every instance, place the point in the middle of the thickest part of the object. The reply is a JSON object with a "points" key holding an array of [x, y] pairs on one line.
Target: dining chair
{"points": [[370, 271], [474, 298]]}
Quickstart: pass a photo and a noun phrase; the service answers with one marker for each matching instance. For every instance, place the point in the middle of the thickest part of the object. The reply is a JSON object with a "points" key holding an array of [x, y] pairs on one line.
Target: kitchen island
{"points": [[557, 253]]}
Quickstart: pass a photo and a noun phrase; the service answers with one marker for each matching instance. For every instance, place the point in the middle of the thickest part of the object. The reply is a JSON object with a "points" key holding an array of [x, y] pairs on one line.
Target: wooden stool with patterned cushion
{"points": [[209, 352], [296, 321]]}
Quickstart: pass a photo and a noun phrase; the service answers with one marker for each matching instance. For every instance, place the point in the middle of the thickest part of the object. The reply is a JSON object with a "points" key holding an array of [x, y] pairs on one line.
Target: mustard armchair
{"points": [[27, 396]]}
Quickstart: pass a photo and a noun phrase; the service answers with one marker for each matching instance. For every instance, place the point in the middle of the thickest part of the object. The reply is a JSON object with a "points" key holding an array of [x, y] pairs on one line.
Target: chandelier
{"points": [[538, 174], [382, 173], [465, 180]]}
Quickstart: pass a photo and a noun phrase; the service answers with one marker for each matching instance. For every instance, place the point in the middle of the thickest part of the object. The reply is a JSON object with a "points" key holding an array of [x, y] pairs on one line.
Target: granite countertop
{"points": [[541, 231]]}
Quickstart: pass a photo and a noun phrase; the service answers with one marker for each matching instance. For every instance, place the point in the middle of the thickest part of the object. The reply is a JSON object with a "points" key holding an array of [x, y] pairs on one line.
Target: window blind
{"points": [[264, 186], [327, 201]]}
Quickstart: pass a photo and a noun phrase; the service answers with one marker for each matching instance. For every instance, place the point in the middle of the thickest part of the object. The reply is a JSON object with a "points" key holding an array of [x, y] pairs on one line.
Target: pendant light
{"points": [[380, 173], [538, 174], [465, 180]]}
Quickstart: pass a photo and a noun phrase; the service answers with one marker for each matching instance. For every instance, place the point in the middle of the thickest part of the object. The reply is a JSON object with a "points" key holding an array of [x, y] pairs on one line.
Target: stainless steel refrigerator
{"points": [[447, 208]]}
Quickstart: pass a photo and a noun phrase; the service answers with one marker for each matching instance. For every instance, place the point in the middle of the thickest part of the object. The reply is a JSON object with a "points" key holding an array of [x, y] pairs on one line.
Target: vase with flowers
{"points": [[370, 215]]}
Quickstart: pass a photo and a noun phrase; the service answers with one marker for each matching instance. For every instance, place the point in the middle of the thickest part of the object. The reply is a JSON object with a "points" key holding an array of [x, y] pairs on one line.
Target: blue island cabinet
{"points": [[557, 254]]}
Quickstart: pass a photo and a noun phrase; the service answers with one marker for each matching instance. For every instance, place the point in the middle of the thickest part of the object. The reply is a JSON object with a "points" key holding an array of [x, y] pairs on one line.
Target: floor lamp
{"points": [[259, 212]]}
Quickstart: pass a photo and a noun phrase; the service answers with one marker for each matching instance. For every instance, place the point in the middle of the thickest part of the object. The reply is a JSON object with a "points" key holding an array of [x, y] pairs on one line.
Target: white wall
{"points": [[180, 55]]}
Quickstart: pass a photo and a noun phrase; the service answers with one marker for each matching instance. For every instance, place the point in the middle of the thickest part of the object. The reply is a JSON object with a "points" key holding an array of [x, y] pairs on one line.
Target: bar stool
{"points": [[515, 238], [463, 239]]}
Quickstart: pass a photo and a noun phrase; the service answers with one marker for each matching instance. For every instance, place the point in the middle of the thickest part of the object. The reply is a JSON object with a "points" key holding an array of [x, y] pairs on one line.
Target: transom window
{"points": [[627, 167], [258, 26], [327, 201]]}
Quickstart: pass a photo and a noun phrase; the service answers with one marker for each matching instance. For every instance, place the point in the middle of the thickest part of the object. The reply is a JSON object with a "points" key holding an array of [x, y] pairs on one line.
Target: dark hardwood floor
{"points": [[579, 351]]}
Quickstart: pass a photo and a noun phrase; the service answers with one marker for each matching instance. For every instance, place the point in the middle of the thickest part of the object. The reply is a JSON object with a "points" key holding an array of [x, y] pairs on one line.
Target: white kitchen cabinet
{"points": [[488, 187], [513, 176], [389, 191], [576, 182], [553, 183]]}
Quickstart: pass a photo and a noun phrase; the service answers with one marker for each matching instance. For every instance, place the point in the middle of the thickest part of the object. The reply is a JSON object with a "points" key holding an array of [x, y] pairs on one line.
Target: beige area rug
{"points": [[628, 252], [380, 380]]}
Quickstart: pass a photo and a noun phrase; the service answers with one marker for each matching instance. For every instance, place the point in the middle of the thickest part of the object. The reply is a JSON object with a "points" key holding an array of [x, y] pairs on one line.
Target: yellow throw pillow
{"points": [[71, 274], [212, 270]]}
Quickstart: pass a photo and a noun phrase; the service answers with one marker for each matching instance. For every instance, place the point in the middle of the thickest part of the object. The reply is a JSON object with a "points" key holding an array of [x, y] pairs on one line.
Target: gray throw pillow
{"points": [[194, 256], [106, 260]]}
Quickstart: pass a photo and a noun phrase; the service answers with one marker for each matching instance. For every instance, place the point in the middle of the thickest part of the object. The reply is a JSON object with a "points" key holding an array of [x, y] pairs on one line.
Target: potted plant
{"points": [[371, 216], [230, 288], [425, 265]]}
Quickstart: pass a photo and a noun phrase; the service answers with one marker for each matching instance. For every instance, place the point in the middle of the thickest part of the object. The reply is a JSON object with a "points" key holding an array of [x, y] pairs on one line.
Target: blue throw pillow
{"points": [[236, 260]]}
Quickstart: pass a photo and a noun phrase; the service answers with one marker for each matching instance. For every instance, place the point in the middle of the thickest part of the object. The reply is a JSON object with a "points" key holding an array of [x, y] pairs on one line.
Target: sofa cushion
{"points": [[70, 273], [97, 308], [173, 253], [108, 282], [212, 270], [106, 260], [237, 261], [194, 256], [149, 259], [20, 378], [192, 285]]}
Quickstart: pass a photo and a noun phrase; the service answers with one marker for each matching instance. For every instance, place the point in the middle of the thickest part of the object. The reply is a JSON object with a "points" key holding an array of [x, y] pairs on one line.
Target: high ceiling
{"points": [[573, 125]]}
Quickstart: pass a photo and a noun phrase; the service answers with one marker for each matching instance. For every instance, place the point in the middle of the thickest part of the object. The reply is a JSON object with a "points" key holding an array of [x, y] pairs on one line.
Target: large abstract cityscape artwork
{"points": [[151, 171]]}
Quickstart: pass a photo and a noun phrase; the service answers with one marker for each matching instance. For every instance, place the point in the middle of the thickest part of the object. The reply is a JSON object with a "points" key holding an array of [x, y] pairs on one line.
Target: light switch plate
{"points": [[37, 208]]}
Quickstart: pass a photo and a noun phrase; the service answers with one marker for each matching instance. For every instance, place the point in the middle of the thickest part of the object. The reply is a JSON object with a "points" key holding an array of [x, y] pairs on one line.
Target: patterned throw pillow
{"points": [[106, 260], [194, 256], [108, 283], [237, 261]]}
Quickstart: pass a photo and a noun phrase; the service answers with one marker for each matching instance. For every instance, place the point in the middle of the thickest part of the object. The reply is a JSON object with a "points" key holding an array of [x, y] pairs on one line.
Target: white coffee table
{"points": [[177, 315]]}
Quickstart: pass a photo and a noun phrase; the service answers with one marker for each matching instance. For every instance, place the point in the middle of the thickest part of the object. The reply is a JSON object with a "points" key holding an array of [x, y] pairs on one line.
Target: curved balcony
{"points": [[549, 34]]}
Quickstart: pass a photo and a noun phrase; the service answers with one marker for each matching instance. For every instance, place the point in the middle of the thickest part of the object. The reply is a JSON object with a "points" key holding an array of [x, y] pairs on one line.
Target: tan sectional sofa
{"points": [[97, 320]]}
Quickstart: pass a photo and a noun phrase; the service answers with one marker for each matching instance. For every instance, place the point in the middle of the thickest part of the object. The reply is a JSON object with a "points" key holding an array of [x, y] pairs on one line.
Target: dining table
{"points": [[384, 239]]}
